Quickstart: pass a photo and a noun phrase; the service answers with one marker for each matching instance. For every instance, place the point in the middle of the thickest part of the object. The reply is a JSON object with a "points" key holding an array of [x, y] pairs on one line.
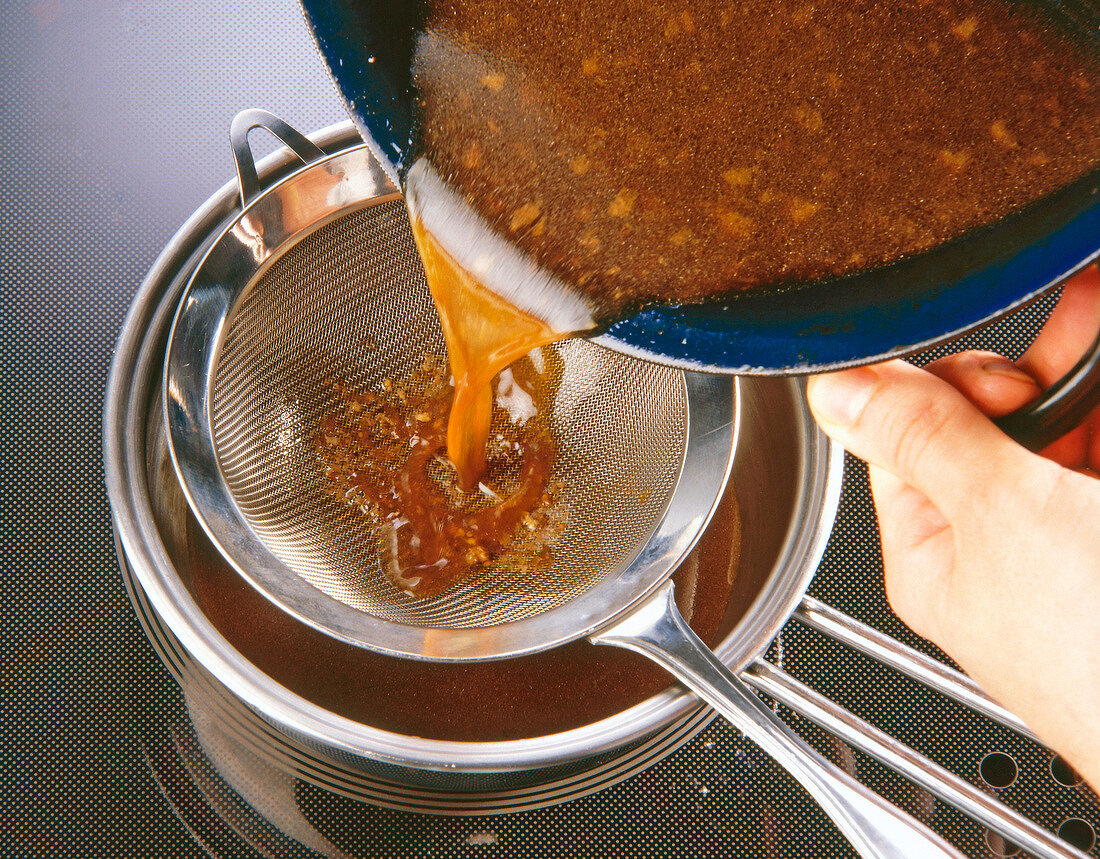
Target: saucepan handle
{"points": [[242, 124], [1060, 408], [876, 828]]}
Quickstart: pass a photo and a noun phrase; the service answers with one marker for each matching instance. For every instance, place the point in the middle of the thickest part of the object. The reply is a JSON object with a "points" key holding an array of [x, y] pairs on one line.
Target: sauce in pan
{"points": [[557, 690], [671, 151]]}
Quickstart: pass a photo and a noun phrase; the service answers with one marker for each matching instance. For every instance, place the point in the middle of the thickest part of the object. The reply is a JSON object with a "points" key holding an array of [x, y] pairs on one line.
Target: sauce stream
{"points": [[484, 335]]}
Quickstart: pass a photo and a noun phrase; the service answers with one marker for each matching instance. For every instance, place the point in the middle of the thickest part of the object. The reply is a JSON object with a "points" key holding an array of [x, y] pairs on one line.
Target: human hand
{"points": [[990, 551]]}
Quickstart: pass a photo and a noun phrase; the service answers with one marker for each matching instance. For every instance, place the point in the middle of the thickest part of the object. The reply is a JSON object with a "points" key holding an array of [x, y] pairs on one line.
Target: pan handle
{"points": [[1060, 408], [242, 124], [876, 828]]}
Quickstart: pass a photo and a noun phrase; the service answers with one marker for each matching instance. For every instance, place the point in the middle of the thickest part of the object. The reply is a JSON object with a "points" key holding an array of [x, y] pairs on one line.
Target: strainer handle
{"points": [[242, 124], [876, 828]]}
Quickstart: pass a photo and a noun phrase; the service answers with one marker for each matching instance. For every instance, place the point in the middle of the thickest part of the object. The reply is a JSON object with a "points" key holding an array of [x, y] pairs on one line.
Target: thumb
{"points": [[920, 429]]}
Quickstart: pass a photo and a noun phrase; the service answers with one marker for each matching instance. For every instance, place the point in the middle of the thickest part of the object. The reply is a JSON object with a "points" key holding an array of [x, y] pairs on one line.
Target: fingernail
{"points": [[1004, 367], [839, 398]]}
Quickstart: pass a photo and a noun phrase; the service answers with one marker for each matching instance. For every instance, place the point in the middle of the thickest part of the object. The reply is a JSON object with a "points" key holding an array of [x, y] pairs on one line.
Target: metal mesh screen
{"points": [[348, 304]]}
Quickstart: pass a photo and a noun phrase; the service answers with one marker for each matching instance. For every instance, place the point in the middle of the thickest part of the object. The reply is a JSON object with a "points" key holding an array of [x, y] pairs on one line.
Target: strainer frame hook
{"points": [[243, 123]]}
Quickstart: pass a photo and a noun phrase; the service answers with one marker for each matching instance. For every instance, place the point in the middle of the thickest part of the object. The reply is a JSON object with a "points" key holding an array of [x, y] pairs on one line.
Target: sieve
{"points": [[319, 278]]}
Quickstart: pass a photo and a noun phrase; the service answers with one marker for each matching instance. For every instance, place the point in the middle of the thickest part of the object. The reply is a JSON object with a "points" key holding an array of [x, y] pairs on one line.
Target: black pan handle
{"points": [[243, 123], [1060, 408]]}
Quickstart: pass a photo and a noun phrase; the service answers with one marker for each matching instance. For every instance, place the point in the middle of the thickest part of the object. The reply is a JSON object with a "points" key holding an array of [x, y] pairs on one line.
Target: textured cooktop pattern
{"points": [[114, 120]]}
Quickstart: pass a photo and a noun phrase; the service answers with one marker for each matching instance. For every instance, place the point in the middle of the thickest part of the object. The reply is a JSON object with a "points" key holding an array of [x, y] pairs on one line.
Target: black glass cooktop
{"points": [[113, 127]]}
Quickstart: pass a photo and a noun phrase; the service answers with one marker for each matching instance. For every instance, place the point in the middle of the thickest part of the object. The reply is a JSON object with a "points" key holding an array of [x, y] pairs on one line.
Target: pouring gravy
{"points": [[576, 160]]}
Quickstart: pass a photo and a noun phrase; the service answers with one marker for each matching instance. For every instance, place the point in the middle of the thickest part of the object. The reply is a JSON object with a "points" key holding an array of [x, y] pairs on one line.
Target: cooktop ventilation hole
{"points": [[998, 769]]}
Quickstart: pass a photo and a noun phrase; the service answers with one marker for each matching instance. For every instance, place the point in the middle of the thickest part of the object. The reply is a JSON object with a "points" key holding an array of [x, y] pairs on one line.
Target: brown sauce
{"points": [[557, 690], [666, 151], [383, 451]]}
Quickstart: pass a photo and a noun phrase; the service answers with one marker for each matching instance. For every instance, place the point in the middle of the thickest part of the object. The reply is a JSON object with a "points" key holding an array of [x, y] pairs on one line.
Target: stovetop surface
{"points": [[114, 129]]}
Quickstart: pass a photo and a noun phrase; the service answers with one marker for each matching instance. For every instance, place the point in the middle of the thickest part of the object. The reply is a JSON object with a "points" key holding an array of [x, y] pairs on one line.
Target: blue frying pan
{"points": [[885, 312]]}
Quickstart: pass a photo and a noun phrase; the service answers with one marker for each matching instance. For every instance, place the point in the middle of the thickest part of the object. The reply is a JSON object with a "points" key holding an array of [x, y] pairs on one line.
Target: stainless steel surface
{"points": [[877, 829], [249, 120], [919, 666], [250, 745], [252, 351], [935, 779], [227, 356]]}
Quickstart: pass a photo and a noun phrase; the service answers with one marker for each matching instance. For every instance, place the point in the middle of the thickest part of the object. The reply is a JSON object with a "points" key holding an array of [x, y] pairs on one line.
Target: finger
{"points": [[990, 381], [920, 429], [1071, 329], [997, 386], [918, 552]]}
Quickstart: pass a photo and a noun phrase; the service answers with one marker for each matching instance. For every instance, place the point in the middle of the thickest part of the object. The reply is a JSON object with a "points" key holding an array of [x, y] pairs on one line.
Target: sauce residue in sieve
{"points": [[383, 451]]}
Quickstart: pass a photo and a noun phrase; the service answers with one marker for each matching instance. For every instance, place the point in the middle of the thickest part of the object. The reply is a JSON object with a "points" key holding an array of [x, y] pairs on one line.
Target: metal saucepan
{"points": [[625, 600], [788, 492]]}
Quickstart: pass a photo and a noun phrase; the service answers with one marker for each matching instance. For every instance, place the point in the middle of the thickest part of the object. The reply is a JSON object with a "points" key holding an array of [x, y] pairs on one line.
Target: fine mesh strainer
{"points": [[318, 288], [317, 279], [332, 307]]}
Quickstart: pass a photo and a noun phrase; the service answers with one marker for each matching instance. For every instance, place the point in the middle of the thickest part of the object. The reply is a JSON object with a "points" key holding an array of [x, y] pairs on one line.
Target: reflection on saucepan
{"points": [[531, 696]]}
